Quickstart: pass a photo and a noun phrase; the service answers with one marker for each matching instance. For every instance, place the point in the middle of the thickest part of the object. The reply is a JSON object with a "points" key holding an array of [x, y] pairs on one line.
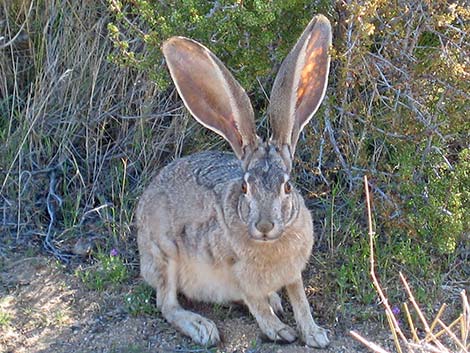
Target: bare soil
{"points": [[49, 309]]}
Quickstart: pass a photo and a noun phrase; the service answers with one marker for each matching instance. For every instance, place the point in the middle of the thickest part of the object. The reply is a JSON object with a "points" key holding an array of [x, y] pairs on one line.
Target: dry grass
{"points": [[80, 135]]}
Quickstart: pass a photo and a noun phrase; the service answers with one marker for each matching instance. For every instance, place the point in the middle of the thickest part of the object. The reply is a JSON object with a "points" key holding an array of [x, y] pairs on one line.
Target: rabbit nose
{"points": [[264, 226]]}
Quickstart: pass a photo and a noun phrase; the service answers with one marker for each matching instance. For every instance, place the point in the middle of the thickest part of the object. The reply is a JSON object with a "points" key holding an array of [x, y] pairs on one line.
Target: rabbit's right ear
{"points": [[211, 93], [300, 84]]}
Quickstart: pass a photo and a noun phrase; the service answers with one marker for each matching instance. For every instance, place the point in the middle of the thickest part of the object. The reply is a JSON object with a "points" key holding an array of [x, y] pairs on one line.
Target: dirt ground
{"points": [[48, 309]]}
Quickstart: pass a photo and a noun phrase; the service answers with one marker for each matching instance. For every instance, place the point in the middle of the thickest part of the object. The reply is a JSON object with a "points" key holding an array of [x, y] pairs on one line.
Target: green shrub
{"points": [[439, 211], [250, 37]]}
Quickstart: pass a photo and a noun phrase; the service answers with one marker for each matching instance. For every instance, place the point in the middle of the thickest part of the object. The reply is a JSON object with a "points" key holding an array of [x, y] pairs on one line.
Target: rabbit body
{"points": [[220, 227], [193, 220]]}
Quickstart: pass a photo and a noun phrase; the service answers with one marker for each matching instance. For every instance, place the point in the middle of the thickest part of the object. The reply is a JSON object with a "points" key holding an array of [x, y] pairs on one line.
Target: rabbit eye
{"points": [[287, 187], [244, 187]]}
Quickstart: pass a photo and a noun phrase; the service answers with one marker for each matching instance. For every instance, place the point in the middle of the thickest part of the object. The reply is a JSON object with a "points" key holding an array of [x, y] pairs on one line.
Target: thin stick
{"points": [[12, 40], [369, 217], [393, 329], [410, 322], [420, 313], [426, 347], [333, 142], [438, 316], [392, 320], [371, 345], [415, 304], [452, 335], [441, 332], [465, 326]]}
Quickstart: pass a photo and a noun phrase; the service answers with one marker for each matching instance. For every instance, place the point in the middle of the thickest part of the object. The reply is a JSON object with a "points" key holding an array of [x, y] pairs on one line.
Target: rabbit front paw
{"points": [[275, 303], [316, 337], [282, 334]]}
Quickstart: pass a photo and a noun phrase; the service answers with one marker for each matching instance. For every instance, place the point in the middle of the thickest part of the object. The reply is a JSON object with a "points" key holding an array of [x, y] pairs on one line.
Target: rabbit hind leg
{"points": [[161, 272], [201, 330], [159, 266]]}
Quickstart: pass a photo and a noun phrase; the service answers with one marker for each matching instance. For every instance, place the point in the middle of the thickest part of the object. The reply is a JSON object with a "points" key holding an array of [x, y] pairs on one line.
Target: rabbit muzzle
{"points": [[265, 230]]}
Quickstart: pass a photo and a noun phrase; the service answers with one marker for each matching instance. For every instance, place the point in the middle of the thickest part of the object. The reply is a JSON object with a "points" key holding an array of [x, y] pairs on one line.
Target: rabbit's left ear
{"points": [[300, 84]]}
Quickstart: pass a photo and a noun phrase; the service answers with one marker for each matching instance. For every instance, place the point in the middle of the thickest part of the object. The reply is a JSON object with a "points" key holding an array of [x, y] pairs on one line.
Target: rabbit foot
{"points": [[317, 337], [282, 334], [276, 304], [201, 330]]}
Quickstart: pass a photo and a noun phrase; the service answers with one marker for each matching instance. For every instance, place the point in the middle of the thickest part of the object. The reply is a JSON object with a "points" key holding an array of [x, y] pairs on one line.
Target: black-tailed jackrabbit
{"points": [[219, 227]]}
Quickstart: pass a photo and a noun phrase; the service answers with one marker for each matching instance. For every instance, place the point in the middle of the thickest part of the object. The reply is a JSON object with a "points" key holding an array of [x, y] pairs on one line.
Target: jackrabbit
{"points": [[219, 227]]}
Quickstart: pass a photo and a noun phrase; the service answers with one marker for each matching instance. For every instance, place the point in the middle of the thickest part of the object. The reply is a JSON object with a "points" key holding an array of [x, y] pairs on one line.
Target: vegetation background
{"points": [[88, 115]]}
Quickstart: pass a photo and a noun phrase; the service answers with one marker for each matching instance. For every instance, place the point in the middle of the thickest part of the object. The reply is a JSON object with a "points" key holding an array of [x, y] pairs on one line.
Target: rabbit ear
{"points": [[301, 83], [211, 93]]}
